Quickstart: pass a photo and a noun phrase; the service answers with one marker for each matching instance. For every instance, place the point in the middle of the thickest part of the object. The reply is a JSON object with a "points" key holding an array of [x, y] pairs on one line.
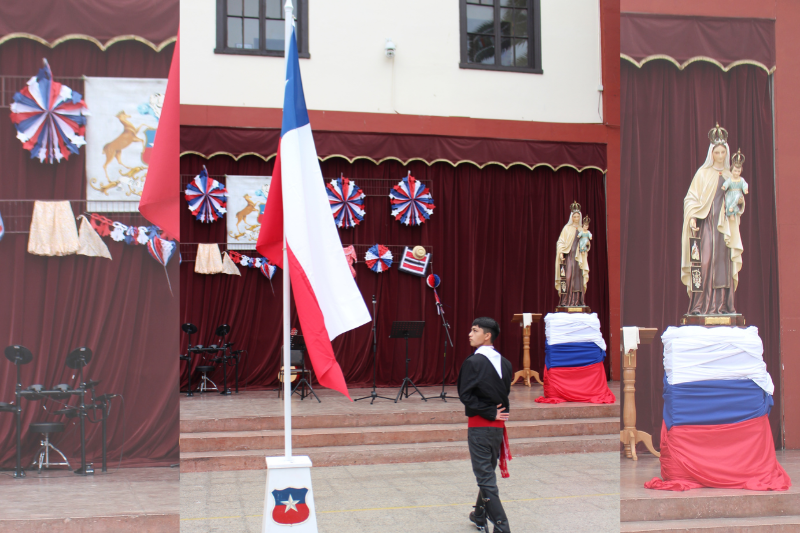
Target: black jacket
{"points": [[480, 389]]}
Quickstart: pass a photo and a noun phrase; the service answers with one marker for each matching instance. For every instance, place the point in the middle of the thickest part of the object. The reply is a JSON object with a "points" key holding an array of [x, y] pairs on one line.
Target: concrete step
{"points": [[392, 453], [152, 523], [408, 434], [764, 524], [398, 417], [705, 504]]}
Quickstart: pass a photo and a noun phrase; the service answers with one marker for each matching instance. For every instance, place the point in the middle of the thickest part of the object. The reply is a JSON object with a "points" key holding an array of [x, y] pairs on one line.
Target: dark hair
{"points": [[488, 325]]}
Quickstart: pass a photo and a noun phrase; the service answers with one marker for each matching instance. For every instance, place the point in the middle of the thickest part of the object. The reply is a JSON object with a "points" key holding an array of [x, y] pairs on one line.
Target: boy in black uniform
{"points": [[483, 387]]}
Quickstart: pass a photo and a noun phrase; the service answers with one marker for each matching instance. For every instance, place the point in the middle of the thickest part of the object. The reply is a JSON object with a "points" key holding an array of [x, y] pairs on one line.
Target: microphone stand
{"points": [[440, 307], [374, 394]]}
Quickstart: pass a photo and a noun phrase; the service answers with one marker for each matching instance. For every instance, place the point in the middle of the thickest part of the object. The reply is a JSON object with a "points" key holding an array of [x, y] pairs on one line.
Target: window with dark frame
{"points": [[514, 25], [256, 27]]}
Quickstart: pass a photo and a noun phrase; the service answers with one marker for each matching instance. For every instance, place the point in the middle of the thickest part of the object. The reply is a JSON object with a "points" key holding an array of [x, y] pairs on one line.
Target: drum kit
{"points": [[227, 357], [77, 359]]}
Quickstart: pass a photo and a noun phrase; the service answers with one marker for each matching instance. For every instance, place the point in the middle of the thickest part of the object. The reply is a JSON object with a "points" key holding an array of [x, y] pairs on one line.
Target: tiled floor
{"points": [[553, 493]]}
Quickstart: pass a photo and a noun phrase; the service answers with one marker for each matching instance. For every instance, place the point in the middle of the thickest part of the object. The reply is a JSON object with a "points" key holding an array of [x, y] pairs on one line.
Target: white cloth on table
{"points": [[697, 353], [630, 338], [561, 328], [527, 319], [493, 356]]}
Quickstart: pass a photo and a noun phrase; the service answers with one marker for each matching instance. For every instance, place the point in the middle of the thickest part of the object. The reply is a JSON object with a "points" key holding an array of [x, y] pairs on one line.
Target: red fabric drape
{"points": [[576, 384], [121, 309], [724, 39], [378, 146], [666, 114], [155, 20], [492, 237], [728, 456]]}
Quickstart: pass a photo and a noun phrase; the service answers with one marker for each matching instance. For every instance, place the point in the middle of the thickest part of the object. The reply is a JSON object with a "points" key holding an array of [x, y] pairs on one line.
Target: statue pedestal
{"points": [[573, 309], [713, 320]]}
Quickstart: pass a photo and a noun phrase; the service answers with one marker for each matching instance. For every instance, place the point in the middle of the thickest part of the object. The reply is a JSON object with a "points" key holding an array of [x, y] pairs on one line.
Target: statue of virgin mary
{"points": [[711, 282], [572, 265]]}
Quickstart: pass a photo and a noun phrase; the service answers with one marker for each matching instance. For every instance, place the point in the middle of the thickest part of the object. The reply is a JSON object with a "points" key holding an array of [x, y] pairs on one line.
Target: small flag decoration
{"points": [[207, 198], [412, 264], [347, 202], [378, 258], [412, 203]]}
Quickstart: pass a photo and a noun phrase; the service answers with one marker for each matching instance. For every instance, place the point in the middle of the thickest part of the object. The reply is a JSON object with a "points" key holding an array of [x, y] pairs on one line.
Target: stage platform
{"points": [[58, 501], [237, 432], [705, 510]]}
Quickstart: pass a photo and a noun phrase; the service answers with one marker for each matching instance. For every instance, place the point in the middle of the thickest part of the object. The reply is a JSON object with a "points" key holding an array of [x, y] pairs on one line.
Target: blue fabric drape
{"points": [[572, 354]]}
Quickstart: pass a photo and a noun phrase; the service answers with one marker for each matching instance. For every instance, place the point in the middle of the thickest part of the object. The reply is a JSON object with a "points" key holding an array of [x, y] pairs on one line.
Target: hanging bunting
{"points": [[378, 258], [347, 202], [412, 203], [50, 118], [207, 197]]}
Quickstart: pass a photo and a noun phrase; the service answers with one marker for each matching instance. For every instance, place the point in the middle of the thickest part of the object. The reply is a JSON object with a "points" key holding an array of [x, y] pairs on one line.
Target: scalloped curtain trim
{"points": [[83, 37], [691, 60]]}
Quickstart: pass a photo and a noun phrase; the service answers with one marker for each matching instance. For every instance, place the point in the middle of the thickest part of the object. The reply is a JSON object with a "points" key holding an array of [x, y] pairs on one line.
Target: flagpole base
{"points": [[289, 480]]}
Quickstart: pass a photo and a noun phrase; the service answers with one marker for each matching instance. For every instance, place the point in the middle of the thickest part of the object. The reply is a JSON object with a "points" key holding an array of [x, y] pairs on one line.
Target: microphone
{"points": [[373, 298]]}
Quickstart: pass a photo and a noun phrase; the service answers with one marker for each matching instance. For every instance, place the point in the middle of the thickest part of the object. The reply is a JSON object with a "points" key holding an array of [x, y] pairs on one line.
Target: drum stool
{"points": [[205, 369], [42, 457]]}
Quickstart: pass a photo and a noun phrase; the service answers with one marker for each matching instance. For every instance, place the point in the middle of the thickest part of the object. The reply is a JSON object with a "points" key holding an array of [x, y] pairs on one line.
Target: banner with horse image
{"points": [[119, 139], [247, 197]]}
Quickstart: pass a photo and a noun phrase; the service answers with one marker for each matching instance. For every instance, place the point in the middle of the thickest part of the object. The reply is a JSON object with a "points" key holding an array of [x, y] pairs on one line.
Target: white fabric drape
{"points": [[560, 328], [630, 339], [493, 356]]}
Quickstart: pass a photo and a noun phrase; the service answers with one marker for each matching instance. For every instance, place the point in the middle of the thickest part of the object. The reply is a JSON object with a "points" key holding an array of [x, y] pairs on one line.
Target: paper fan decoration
{"points": [[378, 258], [162, 250], [50, 117], [267, 268], [412, 203], [207, 197], [347, 202]]}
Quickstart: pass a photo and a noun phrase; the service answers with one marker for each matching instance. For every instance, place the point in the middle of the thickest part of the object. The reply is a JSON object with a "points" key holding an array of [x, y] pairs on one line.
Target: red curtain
{"points": [[121, 309], [492, 237], [666, 114]]}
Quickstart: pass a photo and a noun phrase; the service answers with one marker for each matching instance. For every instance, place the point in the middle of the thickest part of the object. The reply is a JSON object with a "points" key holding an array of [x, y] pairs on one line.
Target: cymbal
{"points": [[223, 330], [191, 329], [19, 355], [79, 357], [92, 383], [69, 412]]}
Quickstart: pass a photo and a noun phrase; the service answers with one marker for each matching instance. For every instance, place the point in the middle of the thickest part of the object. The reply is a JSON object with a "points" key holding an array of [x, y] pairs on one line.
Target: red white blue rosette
{"points": [[378, 258], [50, 117], [207, 197], [347, 202], [412, 203]]}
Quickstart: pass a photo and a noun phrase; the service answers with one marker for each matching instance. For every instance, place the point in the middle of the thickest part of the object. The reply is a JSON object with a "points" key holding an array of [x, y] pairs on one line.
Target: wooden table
{"points": [[630, 436], [526, 373]]}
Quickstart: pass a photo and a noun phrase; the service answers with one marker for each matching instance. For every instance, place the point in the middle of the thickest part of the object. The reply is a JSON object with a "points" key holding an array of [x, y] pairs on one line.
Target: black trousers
{"points": [[484, 451]]}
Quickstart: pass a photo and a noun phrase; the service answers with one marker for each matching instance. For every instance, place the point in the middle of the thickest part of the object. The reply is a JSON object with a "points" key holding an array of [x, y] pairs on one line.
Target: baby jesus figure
{"points": [[735, 188], [585, 236]]}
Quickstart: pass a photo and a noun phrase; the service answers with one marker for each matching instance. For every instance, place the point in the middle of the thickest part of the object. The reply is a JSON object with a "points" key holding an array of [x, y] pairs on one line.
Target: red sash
{"points": [[505, 448]]}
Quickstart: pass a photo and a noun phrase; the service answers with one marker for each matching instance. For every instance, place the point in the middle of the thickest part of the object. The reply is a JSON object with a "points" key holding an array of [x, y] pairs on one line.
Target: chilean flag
{"points": [[327, 298], [290, 506]]}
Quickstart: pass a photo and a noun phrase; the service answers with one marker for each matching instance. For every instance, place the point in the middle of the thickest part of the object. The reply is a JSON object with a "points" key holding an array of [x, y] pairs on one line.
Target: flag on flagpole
{"points": [[159, 204], [327, 298]]}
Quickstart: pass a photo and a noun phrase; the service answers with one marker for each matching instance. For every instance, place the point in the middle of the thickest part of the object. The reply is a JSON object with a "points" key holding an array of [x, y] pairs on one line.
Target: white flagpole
{"points": [[287, 373]]}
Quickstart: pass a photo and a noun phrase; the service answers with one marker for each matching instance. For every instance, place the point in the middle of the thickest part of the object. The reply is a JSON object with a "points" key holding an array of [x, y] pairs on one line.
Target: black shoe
{"points": [[478, 517]]}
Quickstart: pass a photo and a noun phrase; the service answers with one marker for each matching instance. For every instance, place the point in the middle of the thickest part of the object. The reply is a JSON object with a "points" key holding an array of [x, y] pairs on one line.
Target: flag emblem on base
{"points": [[290, 506]]}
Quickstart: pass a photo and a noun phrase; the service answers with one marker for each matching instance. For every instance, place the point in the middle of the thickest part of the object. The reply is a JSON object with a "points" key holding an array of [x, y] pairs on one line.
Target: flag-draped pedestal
{"points": [[574, 352], [717, 399], [297, 227]]}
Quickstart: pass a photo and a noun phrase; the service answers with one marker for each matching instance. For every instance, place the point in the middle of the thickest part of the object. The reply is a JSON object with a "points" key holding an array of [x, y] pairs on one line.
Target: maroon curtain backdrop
{"points": [[121, 309], [379, 146], [682, 38], [492, 237], [666, 115]]}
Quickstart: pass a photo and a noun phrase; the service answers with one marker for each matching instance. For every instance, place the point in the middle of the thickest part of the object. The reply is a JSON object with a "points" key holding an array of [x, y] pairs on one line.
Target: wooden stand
{"points": [[573, 309], [630, 436], [526, 373], [713, 320]]}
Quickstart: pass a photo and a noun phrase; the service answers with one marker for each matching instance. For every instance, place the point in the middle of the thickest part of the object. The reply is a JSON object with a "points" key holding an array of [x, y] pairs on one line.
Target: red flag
{"points": [[160, 203]]}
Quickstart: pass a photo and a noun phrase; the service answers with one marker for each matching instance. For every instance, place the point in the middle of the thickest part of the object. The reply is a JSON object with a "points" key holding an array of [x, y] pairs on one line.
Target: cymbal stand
{"points": [[19, 472], [448, 339], [374, 394]]}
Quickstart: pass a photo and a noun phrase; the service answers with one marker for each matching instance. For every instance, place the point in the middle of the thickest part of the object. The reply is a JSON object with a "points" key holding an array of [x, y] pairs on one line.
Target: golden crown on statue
{"points": [[738, 158], [586, 220], [718, 135], [575, 207]]}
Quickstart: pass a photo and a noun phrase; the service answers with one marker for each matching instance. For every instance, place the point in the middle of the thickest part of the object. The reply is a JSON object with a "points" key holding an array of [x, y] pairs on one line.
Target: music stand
{"points": [[298, 343], [19, 355], [77, 359], [407, 330], [189, 329], [374, 394]]}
